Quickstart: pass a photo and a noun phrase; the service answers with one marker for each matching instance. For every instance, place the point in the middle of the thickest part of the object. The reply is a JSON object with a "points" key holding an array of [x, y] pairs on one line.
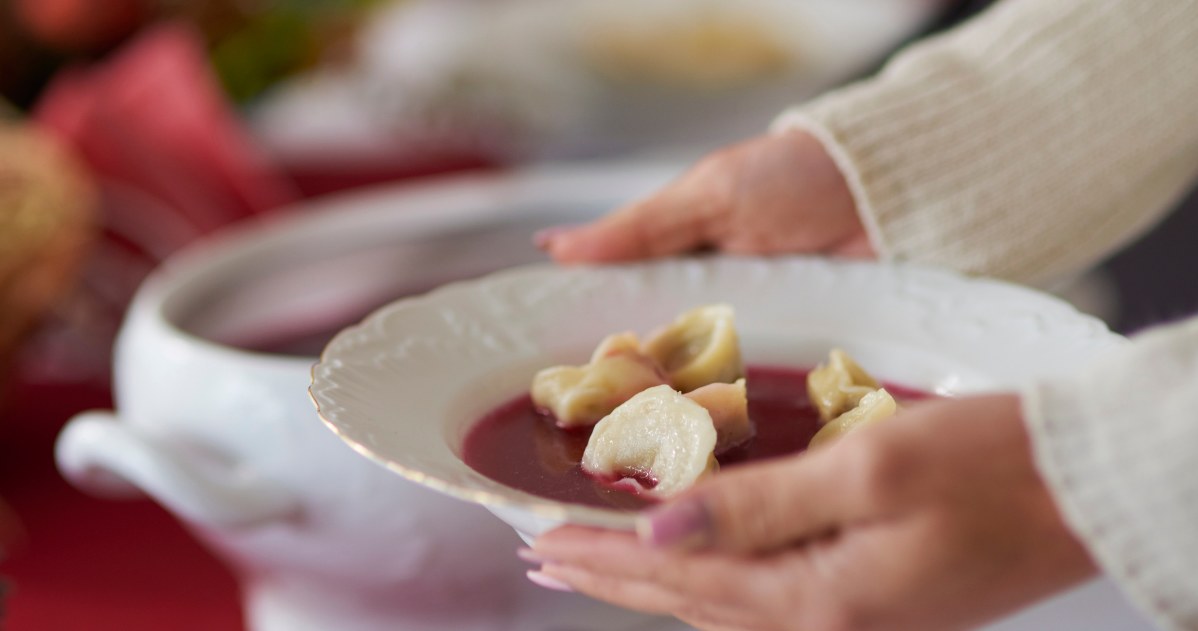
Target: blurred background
{"points": [[130, 129]]}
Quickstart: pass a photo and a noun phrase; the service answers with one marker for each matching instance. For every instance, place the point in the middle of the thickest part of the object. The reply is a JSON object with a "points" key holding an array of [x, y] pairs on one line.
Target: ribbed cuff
{"points": [[1028, 144], [1118, 448], [848, 166]]}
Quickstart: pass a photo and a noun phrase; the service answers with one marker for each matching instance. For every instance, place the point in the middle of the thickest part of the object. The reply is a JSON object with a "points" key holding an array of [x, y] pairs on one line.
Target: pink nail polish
{"points": [[548, 582], [529, 555], [682, 524]]}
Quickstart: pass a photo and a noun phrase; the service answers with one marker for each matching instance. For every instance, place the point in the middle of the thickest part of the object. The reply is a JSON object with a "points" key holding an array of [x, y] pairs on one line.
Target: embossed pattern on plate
{"points": [[404, 386]]}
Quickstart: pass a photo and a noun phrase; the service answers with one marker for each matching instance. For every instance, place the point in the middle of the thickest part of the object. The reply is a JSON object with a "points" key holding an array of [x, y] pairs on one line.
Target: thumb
{"points": [[668, 222], [752, 508]]}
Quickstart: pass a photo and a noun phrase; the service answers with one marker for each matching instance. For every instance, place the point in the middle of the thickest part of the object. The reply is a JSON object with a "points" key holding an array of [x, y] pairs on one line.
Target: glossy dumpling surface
{"points": [[578, 396], [658, 435], [699, 347], [876, 406], [838, 385], [728, 405], [625, 343]]}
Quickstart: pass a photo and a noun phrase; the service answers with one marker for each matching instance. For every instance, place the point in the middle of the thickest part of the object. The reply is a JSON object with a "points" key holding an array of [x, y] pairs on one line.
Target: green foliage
{"points": [[278, 40]]}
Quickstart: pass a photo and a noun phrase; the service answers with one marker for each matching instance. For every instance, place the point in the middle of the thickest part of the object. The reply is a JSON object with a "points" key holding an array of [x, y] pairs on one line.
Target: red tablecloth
{"points": [[89, 564], [174, 164], [92, 564]]}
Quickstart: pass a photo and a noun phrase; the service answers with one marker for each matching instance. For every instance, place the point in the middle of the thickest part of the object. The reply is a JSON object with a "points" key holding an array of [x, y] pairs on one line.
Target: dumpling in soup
{"points": [[728, 404], [659, 442], [698, 348], [578, 396], [838, 385], [617, 344], [876, 406]]}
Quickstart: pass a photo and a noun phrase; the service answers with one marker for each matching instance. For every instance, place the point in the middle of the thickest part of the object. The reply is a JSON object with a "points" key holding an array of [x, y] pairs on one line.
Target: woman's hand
{"points": [[773, 194], [934, 520]]}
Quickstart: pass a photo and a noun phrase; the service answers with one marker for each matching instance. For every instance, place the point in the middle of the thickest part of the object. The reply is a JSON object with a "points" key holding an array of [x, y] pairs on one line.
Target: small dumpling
{"points": [[617, 344], [876, 406], [728, 404], [659, 442], [578, 396], [700, 347], [838, 386]]}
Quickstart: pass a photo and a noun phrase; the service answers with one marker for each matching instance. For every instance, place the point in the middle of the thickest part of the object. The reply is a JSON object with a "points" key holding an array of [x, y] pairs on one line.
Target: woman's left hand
{"points": [[932, 521]]}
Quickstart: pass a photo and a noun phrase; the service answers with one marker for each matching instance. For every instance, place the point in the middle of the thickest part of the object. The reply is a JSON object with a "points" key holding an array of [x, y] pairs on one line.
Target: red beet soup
{"points": [[522, 448]]}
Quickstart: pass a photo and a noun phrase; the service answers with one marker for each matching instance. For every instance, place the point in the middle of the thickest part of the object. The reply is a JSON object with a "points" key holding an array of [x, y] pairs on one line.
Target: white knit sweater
{"points": [[1029, 144]]}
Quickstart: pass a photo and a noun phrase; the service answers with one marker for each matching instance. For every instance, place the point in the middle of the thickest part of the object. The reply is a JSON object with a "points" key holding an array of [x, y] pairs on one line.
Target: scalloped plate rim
{"points": [[550, 509]]}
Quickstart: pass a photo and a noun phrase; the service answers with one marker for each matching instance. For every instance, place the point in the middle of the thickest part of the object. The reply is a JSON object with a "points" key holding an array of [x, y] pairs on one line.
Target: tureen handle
{"points": [[103, 456]]}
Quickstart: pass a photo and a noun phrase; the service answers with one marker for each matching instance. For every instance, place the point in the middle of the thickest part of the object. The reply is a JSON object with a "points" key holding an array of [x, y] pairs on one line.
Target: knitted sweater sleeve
{"points": [[1117, 445], [1027, 144]]}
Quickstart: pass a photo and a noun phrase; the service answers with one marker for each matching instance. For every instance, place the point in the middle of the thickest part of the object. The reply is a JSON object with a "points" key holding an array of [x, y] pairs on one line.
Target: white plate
{"points": [[404, 387]]}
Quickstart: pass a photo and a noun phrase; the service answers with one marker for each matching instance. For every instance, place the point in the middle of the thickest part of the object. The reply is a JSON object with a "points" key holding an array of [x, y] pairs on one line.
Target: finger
{"points": [[718, 620], [670, 222], [621, 555], [758, 508], [654, 598], [605, 551], [857, 246], [643, 596], [714, 578], [749, 591]]}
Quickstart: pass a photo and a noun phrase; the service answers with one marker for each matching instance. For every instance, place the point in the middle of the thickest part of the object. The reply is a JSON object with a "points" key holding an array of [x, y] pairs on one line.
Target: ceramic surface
{"points": [[226, 438], [404, 387], [440, 58]]}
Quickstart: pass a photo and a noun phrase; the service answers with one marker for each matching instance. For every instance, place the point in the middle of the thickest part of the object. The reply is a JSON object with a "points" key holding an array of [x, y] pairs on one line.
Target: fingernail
{"points": [[542, 238], [548, 582], [529, 555], [685, 523]]}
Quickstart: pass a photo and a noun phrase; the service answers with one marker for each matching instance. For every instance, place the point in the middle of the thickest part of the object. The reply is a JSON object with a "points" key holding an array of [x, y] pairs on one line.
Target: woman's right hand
{"points": [[935, 520], [773, 194]]}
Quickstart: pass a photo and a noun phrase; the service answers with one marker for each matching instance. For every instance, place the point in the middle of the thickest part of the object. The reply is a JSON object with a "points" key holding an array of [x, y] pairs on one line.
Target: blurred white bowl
{"points": [[213, 420], [535, 79]]}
